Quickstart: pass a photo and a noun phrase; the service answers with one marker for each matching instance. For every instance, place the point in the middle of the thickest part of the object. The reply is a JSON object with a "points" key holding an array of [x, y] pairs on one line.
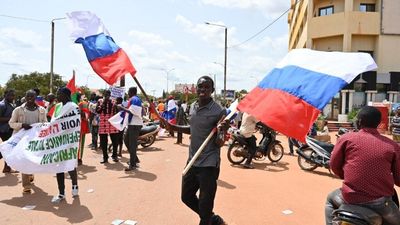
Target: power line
{"points": [[25, 18], [262, 30]]}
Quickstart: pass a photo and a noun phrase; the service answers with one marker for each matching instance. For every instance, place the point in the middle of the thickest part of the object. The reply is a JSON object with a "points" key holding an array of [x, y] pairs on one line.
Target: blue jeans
{"points": [[383, 206]]}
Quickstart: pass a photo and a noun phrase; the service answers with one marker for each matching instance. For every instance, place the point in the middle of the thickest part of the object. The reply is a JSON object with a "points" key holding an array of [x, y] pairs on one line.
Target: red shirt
{"points": [[368, 163]]}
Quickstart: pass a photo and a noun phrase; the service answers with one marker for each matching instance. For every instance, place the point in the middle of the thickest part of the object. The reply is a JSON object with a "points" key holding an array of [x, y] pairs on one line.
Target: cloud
{"points": [[14, 37], [269, 8], [150, 39], [209, 33]]}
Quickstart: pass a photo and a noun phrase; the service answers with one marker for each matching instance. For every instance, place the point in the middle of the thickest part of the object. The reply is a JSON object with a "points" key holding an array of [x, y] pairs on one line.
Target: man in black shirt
{"points": [[6, 108]]}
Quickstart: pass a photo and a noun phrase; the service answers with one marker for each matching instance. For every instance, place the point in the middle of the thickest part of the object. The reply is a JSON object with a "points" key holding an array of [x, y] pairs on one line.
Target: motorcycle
{"points": [[267, 147], [314, 154], [147, 135], [348, 214]]}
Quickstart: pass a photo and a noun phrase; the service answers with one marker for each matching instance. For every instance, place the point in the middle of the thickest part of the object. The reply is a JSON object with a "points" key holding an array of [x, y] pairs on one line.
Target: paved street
{"points": [[151, 195]]}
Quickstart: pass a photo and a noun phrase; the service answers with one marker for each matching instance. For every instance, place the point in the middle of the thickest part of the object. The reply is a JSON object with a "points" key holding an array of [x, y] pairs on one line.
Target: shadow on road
{"points": [[272, 167], [83, 170], [150, 149], [141, 175], [321, 173], [225, 184], [75, 212], [9, 179]]}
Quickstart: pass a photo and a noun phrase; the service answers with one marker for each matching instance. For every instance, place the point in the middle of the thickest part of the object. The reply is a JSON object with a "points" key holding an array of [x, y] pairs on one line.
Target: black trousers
{"points": [[131, 142], [61, 180], [4, 137], [205, 180], [104, 145], [252, 145]]}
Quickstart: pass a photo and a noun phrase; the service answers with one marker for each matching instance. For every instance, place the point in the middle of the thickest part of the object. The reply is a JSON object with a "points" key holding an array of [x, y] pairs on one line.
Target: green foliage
{"points": [[22, 83], [352, 116]]}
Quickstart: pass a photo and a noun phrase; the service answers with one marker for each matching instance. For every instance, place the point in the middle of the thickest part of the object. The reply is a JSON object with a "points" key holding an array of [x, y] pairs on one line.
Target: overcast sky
{"points": [[157, 35]]}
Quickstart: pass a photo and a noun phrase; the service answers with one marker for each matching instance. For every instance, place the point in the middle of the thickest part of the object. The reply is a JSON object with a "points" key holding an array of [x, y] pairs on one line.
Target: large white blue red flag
{"points": [[107, 59], [290, 98]]}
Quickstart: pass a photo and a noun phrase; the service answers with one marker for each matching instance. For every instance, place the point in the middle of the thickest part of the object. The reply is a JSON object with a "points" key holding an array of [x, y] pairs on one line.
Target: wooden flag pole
{"points": [[162, 121], [200, 150]]}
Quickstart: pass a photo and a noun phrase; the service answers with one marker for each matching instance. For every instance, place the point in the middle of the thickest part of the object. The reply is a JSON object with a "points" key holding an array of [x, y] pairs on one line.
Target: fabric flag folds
{"points": [[74, 91], [107, 59], [290, 98]]}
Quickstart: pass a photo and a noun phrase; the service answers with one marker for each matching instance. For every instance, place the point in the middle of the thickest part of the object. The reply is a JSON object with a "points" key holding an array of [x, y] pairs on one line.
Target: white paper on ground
{"points": [[117, 222], [29, 207], [130, 222], [287, 212], [90, 190]]}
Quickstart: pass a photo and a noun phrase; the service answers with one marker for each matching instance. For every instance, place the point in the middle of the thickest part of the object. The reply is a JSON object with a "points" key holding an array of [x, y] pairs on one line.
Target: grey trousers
{"points": [[383, 206], [131, 142]]}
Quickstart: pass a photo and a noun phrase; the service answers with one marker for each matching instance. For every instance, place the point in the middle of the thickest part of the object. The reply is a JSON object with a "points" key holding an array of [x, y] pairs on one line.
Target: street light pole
{"points": [[52, 52], [167, 72], [226, 53]]}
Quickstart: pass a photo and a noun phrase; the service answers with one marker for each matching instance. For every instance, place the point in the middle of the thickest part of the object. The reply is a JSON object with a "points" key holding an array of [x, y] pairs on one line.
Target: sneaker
{"points": [[130, 168], [75, 191], [58, 198], [104, 161]]}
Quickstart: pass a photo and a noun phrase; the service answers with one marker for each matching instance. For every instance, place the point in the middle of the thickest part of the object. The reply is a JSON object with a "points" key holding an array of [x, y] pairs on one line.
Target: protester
{"points": [[106, 109], [92, 108], [180, 120], [396, 126], [247, 129], [64, 97], [84, 111], [51, 98], [369, 164], [161, 107], [22, 118], [135, 123], [95, 121], [203, 175], [6, 108], [170, 113], [119, 101]]}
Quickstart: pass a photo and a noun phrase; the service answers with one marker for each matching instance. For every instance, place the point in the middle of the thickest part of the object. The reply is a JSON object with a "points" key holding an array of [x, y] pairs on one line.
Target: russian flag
{"points": [[108, 60], [292, 95]]}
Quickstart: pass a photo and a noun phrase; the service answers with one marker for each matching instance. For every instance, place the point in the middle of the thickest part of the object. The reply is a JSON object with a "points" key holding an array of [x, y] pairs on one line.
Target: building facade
{"points": [[369, 26]]}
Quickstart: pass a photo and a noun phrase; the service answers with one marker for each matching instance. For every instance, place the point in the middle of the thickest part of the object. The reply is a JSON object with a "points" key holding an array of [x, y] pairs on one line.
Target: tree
{"points": [[22, 83]]}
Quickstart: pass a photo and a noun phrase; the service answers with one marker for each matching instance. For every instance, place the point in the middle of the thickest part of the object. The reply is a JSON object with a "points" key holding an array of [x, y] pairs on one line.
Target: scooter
{"points": [[267, 147], [357, 215], [147, 135], [314, 154]]}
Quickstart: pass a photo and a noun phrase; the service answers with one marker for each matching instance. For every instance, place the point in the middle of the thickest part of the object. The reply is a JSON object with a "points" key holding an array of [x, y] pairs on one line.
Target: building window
{"points": [[326, 11], [367, 7]]}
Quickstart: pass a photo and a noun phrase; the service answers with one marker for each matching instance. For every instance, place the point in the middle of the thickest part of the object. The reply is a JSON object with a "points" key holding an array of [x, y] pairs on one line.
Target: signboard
{"points": [[117, 92], [230, 94], [185, 88]]}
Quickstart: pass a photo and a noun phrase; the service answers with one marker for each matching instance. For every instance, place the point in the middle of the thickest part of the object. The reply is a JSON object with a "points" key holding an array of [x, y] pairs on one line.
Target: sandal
{"points": [[26, 191], [58, 198]]}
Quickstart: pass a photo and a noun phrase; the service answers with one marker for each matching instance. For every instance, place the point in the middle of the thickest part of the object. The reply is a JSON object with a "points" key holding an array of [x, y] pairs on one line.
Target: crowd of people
{"points": [[352, 157]]}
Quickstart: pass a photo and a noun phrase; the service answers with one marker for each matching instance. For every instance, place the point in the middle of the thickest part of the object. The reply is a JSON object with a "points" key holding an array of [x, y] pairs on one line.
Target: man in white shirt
{"points": [[247, 128], [135, 123]]}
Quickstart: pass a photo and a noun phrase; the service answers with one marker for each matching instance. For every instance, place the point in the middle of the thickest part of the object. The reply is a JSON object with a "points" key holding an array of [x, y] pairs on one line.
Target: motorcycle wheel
{"points": [[276, 153], [236, 153], [149, 141], [303, 163]]}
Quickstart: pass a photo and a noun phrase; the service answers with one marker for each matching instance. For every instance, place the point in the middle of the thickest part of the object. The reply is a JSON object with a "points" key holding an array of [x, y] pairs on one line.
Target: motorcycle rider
{"points": [[247, 128], [369, 165]]}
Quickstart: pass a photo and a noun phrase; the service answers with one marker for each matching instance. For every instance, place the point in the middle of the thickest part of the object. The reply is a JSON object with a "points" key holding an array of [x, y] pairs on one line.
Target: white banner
{"points": [[117, 92], [46, 147]]}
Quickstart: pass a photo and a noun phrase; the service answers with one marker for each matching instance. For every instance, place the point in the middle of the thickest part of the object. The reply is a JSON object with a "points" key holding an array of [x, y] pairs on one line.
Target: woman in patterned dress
{"points": [[106, 109]]}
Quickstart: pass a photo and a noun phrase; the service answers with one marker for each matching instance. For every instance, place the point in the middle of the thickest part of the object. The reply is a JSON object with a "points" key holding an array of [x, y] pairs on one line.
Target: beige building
{"points": [[370, 26]]}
